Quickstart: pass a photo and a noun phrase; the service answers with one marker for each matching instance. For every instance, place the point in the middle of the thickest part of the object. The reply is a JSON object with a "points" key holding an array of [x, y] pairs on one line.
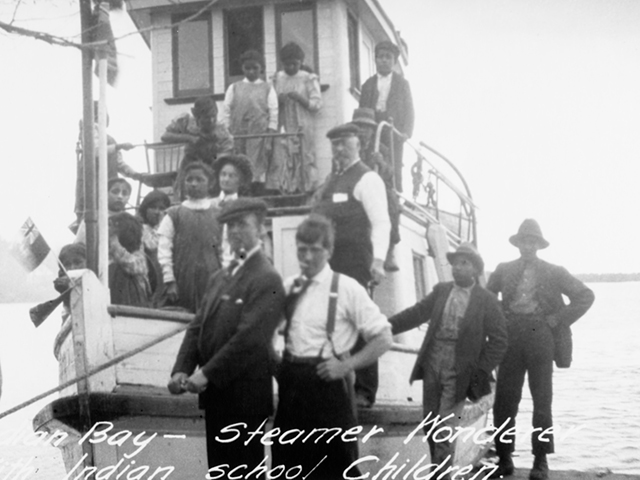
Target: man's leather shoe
{"points": [[540, 470], [505, 468]]}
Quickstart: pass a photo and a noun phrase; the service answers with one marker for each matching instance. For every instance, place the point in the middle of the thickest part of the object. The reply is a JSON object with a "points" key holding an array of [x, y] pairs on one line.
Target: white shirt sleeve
{"points": [[371, 192], [363, 311], [272, 102], [166, 233], [226, 106]]}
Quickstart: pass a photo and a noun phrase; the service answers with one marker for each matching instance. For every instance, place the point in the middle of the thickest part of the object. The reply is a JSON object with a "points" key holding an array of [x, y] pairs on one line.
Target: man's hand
{"points": [[333, 369], [171, 292], [177, 383], [125, 146], [377, 270], [197, 383]]}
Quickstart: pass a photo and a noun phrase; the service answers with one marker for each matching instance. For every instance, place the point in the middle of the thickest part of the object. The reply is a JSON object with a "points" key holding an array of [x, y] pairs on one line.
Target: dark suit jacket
{"points": [[552, 282], [482, 333], [230, 339], [399, 101]]}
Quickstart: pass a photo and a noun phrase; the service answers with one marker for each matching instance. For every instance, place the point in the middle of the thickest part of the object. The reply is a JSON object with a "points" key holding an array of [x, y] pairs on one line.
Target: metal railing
{"points": [[432, 186]]}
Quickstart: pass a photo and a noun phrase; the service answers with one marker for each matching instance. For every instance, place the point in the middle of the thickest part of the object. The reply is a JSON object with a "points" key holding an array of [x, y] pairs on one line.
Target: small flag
{"points": [[30, 247], [102, 32]]}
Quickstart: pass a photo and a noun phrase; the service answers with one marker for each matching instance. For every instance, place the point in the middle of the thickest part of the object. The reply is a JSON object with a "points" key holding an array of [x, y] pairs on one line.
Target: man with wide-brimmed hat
{"points": [[538, 323], [465, 341], [226, 355], [389, 95], [354, 198]]}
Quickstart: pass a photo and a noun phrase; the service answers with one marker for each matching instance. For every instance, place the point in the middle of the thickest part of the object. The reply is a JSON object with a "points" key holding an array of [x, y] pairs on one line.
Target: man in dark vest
{"points": [[354, 198], [538, 325]]}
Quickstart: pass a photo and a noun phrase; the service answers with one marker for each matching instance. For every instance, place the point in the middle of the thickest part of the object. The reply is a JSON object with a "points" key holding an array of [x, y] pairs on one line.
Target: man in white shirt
{"points": [[325, 313], [355, 199]]}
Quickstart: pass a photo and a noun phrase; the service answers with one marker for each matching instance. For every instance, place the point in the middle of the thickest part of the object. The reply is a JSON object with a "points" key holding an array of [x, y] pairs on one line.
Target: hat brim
{"points": [[365, 121], [477, 261], [515, 240]]}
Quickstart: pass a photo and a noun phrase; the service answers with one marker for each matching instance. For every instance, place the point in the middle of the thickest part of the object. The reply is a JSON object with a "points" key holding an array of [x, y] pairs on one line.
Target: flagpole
{"points": [[89, 159], [103, 222]]}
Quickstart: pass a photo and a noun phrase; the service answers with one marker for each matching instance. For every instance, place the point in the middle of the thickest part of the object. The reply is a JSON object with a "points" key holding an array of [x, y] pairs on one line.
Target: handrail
{"points": [[466, 200]]}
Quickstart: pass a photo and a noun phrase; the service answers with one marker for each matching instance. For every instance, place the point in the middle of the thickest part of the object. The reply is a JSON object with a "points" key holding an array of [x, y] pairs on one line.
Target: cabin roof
{"points": [[139, 11]]}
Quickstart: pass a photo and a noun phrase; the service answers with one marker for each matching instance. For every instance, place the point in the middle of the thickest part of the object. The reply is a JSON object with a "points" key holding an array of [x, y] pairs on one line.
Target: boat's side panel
{"points": [[153, 365], [92, 333]]}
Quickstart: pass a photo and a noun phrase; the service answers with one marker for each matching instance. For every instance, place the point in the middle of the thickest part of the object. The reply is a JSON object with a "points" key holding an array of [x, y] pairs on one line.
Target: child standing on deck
{"points": [[234, 175], [251, 108], [189, 244], [151, 212], [294, 164], [128, 270]]}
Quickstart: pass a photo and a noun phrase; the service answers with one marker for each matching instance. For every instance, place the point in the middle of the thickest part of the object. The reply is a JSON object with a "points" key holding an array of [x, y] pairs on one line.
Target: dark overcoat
{"points": [[552, 282], [399, 101], [482, 333], [230, 339]]}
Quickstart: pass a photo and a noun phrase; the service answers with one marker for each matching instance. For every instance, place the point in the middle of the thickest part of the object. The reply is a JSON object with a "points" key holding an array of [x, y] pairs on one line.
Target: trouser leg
{"points": [[539, 357], [508, 395], [367, 377]]}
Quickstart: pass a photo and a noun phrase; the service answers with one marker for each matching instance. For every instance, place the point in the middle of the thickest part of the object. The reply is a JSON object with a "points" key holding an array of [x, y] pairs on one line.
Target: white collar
{"points": [[197, 203], [323, 274]]}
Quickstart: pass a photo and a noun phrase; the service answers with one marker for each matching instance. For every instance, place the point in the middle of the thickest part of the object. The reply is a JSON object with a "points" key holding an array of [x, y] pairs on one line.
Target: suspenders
{"points": [[331, 314]]}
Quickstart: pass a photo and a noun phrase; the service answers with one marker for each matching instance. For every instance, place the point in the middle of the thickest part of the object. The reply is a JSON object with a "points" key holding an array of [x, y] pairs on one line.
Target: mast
{"points": [[90, 197]]}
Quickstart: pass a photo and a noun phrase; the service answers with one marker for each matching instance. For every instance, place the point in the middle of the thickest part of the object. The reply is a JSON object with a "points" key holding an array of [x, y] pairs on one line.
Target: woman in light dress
{"points": [[299, 100]]}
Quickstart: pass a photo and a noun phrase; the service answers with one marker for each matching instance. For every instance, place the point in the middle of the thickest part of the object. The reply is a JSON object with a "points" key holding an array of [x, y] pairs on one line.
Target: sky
{"points": [[536, 102]]}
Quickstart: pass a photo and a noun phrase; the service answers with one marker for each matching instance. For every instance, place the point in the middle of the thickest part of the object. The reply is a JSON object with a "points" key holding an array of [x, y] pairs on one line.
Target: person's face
{"points": [[463, 271], [365, 135], [75, 262], [196, 184], [528, 247], [345, 150], [251, 70], [384, 62], [243, 233], [229, 179], [312, 257], [155, 213], [206, 120], [291, 67], [119, 194]]}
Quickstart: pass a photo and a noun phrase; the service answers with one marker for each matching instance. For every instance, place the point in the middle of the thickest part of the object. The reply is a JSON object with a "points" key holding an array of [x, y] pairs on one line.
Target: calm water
{"points": [[599, 394]]}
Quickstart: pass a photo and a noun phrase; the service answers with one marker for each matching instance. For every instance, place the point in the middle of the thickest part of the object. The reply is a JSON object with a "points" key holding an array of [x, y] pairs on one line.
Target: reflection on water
{"points": [[599, 394]]}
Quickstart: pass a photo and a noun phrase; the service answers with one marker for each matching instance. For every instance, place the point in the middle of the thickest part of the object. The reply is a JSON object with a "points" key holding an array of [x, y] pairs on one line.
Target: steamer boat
{"points": [[123, 417]]}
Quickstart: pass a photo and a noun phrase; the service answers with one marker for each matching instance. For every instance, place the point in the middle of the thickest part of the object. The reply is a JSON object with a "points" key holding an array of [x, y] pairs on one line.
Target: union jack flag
{"points": [[30, 247]]}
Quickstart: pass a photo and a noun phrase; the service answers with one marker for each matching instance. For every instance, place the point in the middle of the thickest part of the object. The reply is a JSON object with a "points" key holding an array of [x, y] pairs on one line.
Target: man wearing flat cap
{"points": [[465, 341], [354, 198], [225, 356], [389, 95], [538, 323]]}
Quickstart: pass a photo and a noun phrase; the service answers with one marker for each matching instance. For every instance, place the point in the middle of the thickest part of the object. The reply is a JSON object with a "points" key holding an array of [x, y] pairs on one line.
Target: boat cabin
{"points": [[196, 46]]}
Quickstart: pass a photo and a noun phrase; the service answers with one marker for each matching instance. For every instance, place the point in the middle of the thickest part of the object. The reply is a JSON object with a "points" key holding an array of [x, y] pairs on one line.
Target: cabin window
{"points": [[244, 30], [297, 23], [192, 47], [419, 275], [354, 56]]}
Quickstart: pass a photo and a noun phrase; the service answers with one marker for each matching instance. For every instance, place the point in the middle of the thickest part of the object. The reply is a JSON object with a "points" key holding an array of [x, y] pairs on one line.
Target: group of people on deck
{"points": [[206, 255]]}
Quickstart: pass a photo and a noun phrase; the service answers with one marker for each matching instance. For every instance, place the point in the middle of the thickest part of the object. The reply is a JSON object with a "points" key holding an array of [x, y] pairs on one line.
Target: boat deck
{"points": [[523, 474]]}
